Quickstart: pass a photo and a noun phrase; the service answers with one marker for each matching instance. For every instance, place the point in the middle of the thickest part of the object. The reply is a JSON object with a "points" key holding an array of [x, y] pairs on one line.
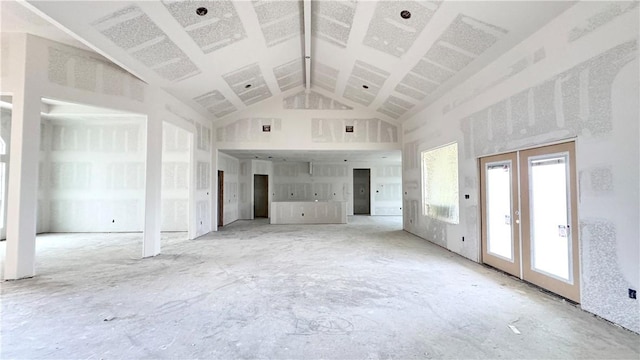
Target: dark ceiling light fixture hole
{"points": [[202, 11], [365, 86], [405, 14], [247, 86]]}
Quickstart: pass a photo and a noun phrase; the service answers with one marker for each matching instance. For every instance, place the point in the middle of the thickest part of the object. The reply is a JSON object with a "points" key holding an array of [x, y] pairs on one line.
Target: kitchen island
{"points": [[309, 212]]}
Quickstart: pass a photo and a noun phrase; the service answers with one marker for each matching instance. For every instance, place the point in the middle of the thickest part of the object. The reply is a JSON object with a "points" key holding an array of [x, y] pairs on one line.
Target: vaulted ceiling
{"points": [[364, 54]]}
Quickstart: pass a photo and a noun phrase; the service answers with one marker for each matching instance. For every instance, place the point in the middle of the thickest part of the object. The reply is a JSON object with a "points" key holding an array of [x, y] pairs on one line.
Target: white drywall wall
{"points": [[334, 181], [576, 78], [96, 177], [315, 127], [245, 190], [231, 168], [249, 168], [176, 178]]}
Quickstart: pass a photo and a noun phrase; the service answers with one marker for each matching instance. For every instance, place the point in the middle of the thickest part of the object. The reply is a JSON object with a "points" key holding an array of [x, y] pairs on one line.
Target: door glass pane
{"points": [[550, 238], [499, 222]]}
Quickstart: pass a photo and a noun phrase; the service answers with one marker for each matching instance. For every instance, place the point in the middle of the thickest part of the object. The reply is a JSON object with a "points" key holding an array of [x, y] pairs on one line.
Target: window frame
{"points": [[428, 208]]}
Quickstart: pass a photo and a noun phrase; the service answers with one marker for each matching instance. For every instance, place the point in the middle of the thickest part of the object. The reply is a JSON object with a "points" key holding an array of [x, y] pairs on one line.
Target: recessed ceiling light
{"points": [[247, 86], [365, 86], [202, 11], [405, 14]]}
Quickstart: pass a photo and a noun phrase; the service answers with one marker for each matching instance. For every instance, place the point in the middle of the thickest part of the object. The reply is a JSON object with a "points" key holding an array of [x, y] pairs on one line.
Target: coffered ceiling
{"points": [[390, 58]]}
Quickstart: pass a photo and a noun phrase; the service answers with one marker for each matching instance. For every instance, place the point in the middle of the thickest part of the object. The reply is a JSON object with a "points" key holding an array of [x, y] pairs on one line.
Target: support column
{"points": [[22, 202], [153, 187]]}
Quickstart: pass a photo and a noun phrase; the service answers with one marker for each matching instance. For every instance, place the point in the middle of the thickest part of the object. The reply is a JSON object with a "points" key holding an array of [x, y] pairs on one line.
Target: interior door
{"points": [[550, 233], [220, 198], [361, 191], [500, 220], [529, 218], [260, 196]]}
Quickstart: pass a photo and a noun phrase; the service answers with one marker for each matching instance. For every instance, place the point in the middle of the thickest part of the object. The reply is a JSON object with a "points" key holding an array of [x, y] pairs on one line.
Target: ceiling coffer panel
{"points": [[471, 35], [395, 107], [248, 83], [324, 76], [332, 20], [458, 46], [279, 20], [215, 103], [290, 75], [390, 32], [219, 27], [364, 83], [132, 30]]}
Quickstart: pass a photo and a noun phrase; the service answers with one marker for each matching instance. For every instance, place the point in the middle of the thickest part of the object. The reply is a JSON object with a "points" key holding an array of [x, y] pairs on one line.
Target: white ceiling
{"points": [[320, 156], [17, 18], [208, 61]]}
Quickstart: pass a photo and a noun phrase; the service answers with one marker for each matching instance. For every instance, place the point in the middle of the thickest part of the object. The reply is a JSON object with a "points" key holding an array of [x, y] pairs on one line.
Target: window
{"points": [[440, 183]]}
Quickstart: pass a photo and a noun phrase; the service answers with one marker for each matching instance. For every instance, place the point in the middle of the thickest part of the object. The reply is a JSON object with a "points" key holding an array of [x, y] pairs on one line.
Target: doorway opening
{"points": [[220, 198], [260, 196], [529, 219], [361, 191]]}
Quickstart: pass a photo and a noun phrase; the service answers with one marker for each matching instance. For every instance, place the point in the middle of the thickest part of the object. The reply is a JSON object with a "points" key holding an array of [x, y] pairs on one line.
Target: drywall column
{"points": [[23, 170], [153, 187]]}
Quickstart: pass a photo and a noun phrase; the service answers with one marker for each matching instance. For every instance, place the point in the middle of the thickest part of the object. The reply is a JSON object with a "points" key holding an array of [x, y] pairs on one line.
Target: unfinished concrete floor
{"points": [[366, 290]]}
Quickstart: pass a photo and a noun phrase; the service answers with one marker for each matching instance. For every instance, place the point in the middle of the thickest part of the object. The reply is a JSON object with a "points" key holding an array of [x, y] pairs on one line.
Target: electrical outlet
{"points": [[632, 294]]}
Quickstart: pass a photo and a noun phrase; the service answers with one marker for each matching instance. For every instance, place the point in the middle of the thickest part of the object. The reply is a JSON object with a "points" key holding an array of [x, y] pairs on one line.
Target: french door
{"points": [[529, 220]]}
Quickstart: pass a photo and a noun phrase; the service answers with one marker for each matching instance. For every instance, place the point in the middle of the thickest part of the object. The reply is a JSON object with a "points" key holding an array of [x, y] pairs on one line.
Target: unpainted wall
{"points": [[576, 78], [203, 181], [94, 175], [334, 182], [300, 121], [176, 177], [249, 168], [231, 168]]}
